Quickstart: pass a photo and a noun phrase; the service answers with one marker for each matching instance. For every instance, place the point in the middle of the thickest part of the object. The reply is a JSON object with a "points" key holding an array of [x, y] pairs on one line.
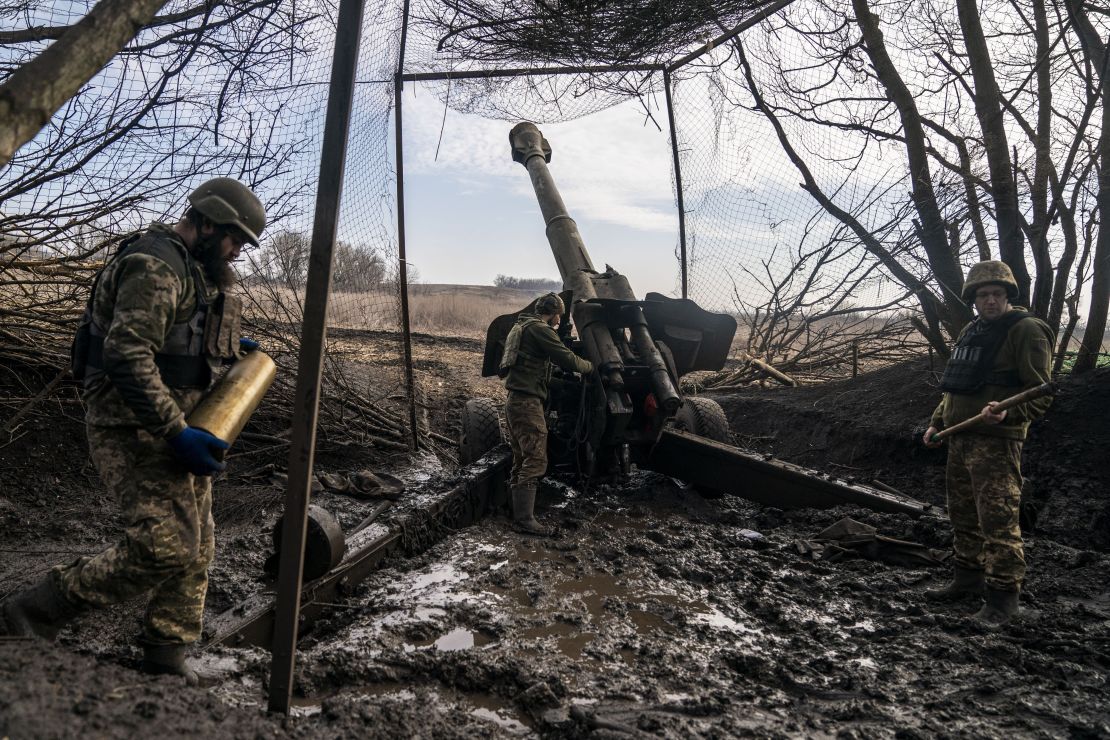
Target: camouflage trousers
{"points": [[527, 436], [167, 539], [984, 499]]}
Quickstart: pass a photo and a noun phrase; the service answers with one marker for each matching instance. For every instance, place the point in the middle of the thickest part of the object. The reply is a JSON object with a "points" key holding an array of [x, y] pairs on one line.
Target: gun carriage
{"points": [[634, 412]]}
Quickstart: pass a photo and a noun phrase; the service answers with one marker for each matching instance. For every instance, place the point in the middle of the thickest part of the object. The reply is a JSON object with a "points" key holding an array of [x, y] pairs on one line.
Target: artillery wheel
{"points": [[324, 546], [705, 418], [481, 430]]}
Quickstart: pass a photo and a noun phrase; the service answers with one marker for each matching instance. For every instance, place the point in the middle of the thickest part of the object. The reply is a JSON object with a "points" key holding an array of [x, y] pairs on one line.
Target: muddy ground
{"points": [[654, 612]]}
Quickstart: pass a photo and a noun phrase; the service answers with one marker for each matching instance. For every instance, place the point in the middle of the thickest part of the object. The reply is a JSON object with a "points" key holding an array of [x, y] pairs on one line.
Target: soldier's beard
{"points": [[216, 268]]}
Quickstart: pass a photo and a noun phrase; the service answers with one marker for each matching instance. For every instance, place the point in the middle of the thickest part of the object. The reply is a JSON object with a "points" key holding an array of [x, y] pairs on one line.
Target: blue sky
{"points": [[471, 213]]}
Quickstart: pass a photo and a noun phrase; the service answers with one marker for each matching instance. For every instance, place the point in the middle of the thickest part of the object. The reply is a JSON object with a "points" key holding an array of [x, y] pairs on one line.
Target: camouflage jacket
{"points": [[1026, 354], [540, 346], [137, 300]]}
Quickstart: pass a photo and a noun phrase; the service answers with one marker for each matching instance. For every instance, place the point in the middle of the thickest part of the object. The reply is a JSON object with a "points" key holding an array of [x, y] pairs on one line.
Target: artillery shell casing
{"points": [[229, 405]]}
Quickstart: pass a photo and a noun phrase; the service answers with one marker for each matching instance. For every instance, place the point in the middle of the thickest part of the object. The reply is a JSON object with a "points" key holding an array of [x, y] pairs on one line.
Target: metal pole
{"points": [[765, 12], [528, 71], [677, 185], [403, 272], [313, 335]]}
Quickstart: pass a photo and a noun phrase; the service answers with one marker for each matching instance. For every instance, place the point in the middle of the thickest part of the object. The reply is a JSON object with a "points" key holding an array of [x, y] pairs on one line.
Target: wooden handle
{"points": [[1044, 389]]}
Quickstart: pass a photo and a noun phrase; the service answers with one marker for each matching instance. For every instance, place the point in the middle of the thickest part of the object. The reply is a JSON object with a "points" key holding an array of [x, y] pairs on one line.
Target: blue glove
{"points": [[248, 345], [197, 450]]}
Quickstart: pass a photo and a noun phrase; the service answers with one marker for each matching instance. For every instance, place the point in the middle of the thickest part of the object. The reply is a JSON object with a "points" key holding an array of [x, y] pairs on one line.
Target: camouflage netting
{"points": [[238, 88]]}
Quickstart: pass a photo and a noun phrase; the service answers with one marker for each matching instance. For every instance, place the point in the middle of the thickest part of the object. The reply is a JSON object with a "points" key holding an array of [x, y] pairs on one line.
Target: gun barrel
{"points": [[575, 267], [579, 276]]}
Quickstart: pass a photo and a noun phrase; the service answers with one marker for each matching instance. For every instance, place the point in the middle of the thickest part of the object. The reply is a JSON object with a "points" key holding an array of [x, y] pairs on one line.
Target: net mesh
{"points": [[239, 88]]}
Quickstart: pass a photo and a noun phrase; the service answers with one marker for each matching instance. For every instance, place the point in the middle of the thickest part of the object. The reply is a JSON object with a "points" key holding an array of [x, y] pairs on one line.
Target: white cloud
{"points": [[609, 167]]}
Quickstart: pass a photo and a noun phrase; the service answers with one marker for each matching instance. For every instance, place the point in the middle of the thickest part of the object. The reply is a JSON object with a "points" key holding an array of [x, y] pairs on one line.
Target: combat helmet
{"points": [[550, 304], [229, 202], [989, 271]]}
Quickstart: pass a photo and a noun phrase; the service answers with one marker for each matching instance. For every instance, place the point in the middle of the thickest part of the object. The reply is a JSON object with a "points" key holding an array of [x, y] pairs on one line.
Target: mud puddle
{"points": [[655, 611]]}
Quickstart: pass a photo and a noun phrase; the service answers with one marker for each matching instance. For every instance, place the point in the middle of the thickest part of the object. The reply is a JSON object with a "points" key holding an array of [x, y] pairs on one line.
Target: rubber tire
{"points": [[481, 430], [703, 417]]}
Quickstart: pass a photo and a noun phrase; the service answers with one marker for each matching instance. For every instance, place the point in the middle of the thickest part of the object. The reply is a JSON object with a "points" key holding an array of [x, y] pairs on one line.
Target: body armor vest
{"points": [[970, 367], [193, 350], [512, 356]]}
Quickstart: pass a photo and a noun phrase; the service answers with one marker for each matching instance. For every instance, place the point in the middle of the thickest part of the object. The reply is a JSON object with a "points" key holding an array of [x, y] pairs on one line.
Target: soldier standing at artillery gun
{"points": [[530, 349], [1005, 350], [158, 326]]}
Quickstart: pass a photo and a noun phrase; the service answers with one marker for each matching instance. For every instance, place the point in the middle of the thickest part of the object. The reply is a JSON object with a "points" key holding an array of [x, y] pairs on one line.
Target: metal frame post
{"points": [[402, 253], [682, 255], [403, 266], [302, 447]]}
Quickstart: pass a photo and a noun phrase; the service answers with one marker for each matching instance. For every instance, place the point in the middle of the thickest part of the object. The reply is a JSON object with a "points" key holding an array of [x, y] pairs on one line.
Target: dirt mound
{"points": [[871, 426], [1066, 463]]}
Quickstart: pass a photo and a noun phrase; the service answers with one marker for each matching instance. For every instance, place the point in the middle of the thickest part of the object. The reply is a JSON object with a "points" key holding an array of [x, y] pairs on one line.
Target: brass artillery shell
{"points": [[225, 410]]}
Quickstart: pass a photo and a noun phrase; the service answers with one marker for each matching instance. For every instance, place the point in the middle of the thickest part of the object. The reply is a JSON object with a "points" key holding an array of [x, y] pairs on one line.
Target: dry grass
{"points": [[454, 310]]}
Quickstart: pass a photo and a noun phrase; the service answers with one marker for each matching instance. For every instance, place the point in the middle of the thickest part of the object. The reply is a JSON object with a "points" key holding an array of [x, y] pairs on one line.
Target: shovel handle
{"points": [[1044, 389]]}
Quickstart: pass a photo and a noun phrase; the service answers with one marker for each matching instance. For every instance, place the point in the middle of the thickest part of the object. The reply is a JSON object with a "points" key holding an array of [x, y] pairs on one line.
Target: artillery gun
{"points": [[634, 412]]}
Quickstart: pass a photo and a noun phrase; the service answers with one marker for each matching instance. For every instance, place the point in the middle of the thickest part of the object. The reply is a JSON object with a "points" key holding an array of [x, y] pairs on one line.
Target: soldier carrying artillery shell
{"points": [[157, 328]]}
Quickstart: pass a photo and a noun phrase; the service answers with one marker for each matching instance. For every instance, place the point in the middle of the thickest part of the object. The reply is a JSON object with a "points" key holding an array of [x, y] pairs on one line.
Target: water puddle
{"points": [[620, 520], [646, 622], [510, 725], [440, 574], [570, 639], [459, 638]]}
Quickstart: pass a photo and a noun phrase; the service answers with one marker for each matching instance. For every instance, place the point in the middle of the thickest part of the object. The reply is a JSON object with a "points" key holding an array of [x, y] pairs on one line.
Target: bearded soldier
{"points": [[158, 326], [1004, 351], [530, 349]]}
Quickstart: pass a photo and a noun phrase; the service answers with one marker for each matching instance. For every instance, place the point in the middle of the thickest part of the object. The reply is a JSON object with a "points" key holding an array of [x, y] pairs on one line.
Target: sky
{"points": [[471, 213]]}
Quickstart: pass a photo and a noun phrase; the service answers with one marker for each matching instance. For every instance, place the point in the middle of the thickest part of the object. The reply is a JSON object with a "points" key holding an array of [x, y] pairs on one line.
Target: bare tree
{"points": [[39, 88], [998, 148], [810, 321]]}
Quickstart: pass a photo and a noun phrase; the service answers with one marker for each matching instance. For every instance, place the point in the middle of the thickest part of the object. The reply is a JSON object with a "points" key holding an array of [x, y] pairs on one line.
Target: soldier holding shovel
{"points": [[1003, 352]]}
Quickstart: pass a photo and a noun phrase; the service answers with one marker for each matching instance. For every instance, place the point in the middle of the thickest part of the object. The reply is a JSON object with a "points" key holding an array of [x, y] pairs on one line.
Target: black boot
{"points": [[163, 660], [965, 582], [1001, 607], [39, 611], [524, 503]]}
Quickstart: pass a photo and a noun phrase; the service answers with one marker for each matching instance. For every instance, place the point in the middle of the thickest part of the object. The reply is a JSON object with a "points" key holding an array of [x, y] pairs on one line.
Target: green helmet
{"points": [[550, 304], [229, 202], [990, 271]]}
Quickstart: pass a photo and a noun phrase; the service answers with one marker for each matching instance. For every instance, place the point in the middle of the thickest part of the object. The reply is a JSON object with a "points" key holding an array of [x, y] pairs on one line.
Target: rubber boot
{"points": [[39, 611], [168, 660], [1001, 607], [524, 503], [965, 582]]}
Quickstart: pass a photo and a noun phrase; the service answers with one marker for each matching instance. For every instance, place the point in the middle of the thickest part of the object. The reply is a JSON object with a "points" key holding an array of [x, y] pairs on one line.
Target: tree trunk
{"points": [[944, 264], [1095, 49], [1038, 232], [1100, 280], [931, 306], [988, 109], [31, 96]]}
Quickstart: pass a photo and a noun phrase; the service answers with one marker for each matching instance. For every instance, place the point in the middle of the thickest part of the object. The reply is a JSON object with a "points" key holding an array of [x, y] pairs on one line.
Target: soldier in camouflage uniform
{"points": [[530, 349], [1003, 352], [158, 326]]}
